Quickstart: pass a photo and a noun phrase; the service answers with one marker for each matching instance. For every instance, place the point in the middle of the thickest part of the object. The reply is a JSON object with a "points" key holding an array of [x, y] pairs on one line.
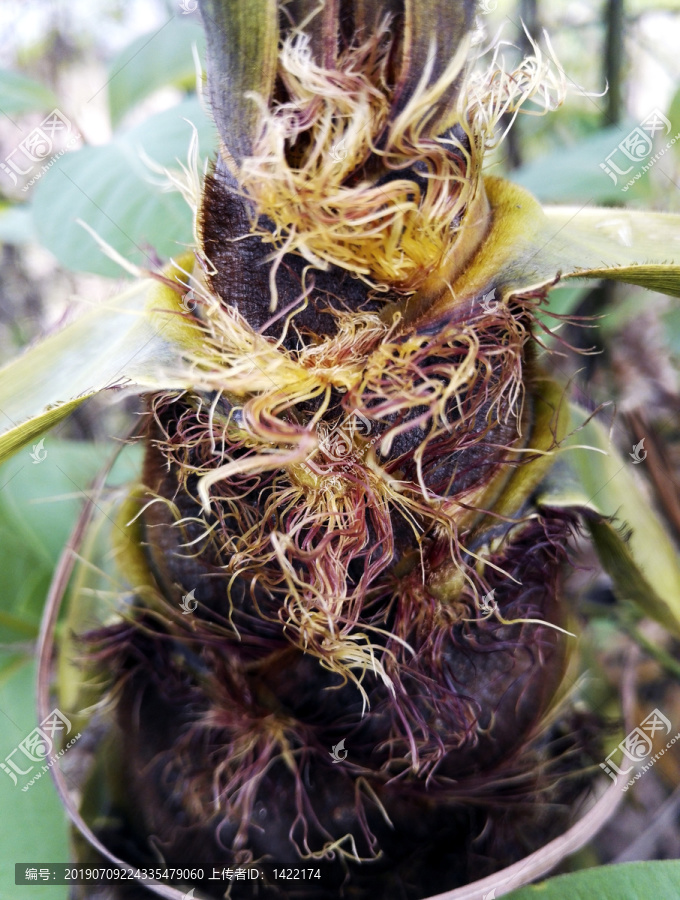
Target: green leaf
{"points": [[626, 881], [16, 224], [114, 191], [34, 827], [19, 94], [564, 300], [634, 548], [673, 116], [154, 60], [39, 504], [623, 245], [135, 339], [561, 301], [242, 47], [671, 330]]}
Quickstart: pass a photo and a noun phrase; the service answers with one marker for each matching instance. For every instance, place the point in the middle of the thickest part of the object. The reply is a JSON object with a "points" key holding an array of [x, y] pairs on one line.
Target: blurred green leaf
{"points": [[563, 300], [116, 193], [19, 94], [34, 826], [626, 881], [674, 119], [671, 320], [39, 504], [163, 57], [130, 340], [626, 308], [16, 224], [634, 548], [96, 593], [574, 173]]}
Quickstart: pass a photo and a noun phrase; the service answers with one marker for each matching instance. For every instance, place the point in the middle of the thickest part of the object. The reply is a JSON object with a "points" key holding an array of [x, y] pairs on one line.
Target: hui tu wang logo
{"points": [[38, 453], [339, 151], [37, 747], [188, 301], [488, 303], [40, 144], [637, 746], [338, 444], [337, 752], [636, 147], [188, 6], [639, 453], [488, 604], [188, 603]]}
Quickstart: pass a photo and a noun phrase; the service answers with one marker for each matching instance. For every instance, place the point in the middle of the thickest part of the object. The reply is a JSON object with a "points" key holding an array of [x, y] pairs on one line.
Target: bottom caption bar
{"points": [[64, 873]]}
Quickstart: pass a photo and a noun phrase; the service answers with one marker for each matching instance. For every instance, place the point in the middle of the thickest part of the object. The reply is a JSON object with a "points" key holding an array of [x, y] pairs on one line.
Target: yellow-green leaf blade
{"points": [[637, 247], [135, 340]]}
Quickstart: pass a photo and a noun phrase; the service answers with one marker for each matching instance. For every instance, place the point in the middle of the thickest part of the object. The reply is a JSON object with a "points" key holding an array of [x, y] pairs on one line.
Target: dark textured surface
{"points": [[473, 692], [242, 271]]}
